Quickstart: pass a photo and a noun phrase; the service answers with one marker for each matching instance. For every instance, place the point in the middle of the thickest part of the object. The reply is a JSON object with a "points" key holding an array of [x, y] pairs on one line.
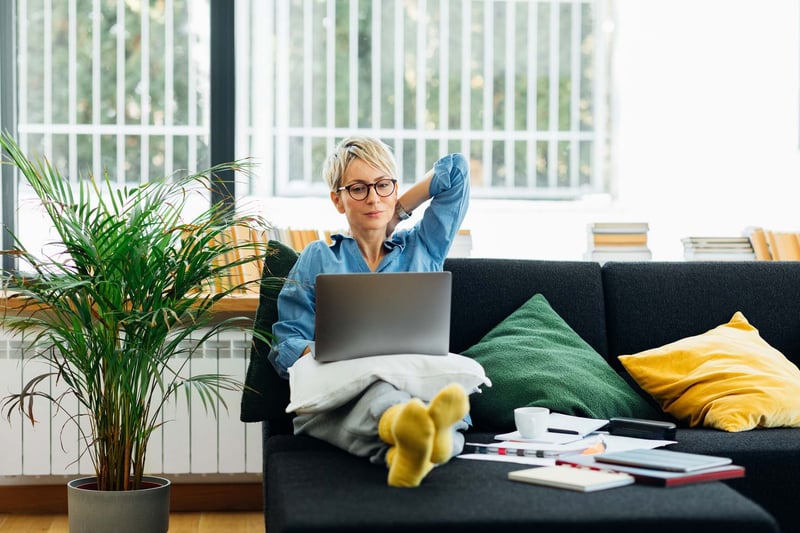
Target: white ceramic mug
{"points": [[531, 421]]}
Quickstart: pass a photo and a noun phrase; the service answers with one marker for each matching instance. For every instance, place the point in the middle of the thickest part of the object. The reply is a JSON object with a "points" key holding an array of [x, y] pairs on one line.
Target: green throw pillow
{"points": [[535, 358]]}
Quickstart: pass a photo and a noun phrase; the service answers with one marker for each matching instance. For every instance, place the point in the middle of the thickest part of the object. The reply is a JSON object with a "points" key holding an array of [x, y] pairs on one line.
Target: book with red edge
{"points": [[660, 478]]}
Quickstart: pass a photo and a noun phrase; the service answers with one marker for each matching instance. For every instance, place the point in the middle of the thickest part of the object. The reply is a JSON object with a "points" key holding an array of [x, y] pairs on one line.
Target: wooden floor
{"points": [[249, 522]]}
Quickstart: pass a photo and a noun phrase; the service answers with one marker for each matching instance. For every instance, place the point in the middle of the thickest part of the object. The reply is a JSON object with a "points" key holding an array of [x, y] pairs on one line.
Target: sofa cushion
{"points": [[769, 457], [330, 490], [727, 378], [534, 357]]}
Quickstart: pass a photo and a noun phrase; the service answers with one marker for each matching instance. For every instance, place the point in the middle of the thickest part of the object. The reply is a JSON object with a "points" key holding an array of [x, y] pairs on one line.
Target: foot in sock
{"points": [[409, 428], [450, 405], [386, 423]]}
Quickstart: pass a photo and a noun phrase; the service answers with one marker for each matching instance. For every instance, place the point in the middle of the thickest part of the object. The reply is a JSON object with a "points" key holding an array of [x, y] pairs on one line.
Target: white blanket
{"points": [[316, 386]]}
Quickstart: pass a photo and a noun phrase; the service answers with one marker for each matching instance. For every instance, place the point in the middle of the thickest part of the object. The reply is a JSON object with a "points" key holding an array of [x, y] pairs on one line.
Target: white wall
{"points": [[707, 116], [705, 135]]}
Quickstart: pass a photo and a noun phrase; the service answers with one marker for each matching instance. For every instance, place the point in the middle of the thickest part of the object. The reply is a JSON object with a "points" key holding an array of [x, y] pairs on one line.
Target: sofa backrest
{"points": [[654, 303], [486, 291], [621, 308]]}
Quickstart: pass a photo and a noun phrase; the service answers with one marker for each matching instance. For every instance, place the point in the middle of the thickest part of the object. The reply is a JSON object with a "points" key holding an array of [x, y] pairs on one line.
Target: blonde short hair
{"points": [[372, 151]]}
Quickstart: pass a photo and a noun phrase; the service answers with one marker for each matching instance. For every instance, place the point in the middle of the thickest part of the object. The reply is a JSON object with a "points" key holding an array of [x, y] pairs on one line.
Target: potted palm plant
{"points": [[115, 313]]}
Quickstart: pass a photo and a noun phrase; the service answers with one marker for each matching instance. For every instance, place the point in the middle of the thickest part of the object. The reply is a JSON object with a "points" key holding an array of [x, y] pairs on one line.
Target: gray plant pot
{"points": [[131, 511]]}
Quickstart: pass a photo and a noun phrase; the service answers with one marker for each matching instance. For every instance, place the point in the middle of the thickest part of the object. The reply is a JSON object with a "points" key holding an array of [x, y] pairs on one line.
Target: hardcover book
{"points": [[661, 478], [663, 460]]}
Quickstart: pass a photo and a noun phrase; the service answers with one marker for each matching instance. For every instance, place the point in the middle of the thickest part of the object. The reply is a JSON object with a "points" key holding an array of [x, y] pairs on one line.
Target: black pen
{"points": [[564, 431]]}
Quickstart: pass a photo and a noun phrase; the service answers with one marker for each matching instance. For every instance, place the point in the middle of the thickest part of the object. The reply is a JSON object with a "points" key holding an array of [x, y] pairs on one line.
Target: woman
{"points": [[383, 423]]}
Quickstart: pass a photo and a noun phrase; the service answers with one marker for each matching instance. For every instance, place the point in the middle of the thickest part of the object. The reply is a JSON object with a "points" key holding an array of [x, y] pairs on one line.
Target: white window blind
{"points": [[109, 85], [520, 86]]}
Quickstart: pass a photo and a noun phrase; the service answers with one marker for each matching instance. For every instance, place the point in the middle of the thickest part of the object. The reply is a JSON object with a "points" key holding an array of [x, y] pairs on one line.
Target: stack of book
{"points": [[718, 249], [618, 241], [774, 245], [660, 467], [298, 238]]}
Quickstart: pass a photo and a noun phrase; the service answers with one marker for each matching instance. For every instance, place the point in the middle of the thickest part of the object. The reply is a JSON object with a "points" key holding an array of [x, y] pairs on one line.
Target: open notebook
{"points": [[364, 314]]}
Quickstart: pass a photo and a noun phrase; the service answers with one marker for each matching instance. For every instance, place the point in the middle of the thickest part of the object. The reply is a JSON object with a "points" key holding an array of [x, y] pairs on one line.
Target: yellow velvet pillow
{"points": [[727, 378]]}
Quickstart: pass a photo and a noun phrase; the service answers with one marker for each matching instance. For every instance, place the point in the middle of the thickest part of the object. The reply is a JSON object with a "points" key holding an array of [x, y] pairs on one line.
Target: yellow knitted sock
{"points": [[390, 455], [386, 423], [412, 433], [450, 405]]}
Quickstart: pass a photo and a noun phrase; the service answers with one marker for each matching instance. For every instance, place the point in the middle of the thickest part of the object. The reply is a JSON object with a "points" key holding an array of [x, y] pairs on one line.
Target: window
{"points": [[110, 85], [114, 85], [518, 85]]}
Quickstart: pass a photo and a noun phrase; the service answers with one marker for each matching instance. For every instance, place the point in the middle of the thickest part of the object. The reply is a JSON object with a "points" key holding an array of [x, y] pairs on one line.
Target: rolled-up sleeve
{"points": [[449, 190], [294, 330]]}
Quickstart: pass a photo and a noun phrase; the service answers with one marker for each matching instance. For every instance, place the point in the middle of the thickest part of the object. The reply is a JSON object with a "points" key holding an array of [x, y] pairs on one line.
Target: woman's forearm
{"points": [[417, 194]]}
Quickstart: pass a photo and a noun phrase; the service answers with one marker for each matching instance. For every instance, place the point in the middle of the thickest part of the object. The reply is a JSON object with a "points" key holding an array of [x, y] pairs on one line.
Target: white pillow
{"points": [[316, 386]]}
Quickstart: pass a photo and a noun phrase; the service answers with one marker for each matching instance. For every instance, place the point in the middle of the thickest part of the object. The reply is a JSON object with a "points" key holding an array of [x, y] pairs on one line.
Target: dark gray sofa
{"points": [[619, 308]]}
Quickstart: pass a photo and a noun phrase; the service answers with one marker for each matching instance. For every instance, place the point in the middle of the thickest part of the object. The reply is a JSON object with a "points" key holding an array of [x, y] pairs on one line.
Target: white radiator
{"points": [[191, 441]]}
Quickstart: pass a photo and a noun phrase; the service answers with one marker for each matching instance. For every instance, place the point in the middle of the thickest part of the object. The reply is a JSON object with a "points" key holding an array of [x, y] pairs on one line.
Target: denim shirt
{"points": [[422, 248]]}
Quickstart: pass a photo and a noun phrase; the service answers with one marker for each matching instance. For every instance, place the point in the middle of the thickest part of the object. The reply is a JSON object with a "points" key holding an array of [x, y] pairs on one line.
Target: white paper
{"points": [[540, 461], [547, 438], [618, 443], [580, 425], [574, 446]]}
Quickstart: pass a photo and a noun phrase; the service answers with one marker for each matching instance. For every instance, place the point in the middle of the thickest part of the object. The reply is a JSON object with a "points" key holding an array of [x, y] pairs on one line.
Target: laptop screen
{"points": [[363, 314]]}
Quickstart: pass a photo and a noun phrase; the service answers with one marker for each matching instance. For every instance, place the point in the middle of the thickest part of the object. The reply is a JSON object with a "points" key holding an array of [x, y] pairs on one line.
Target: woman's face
{"points": [[373, 212]]}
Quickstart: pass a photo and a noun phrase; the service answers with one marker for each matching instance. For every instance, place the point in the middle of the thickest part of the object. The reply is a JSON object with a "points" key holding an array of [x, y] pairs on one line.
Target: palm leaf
{"points": [[120, 298]]}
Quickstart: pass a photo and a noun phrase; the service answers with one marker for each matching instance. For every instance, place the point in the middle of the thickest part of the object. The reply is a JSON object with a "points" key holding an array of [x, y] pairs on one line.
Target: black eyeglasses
{"points": [[359, 191]]}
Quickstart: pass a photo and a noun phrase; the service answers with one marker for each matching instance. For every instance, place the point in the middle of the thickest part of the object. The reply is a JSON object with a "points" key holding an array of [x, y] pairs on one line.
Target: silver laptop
{"points": [[359, 315]]}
